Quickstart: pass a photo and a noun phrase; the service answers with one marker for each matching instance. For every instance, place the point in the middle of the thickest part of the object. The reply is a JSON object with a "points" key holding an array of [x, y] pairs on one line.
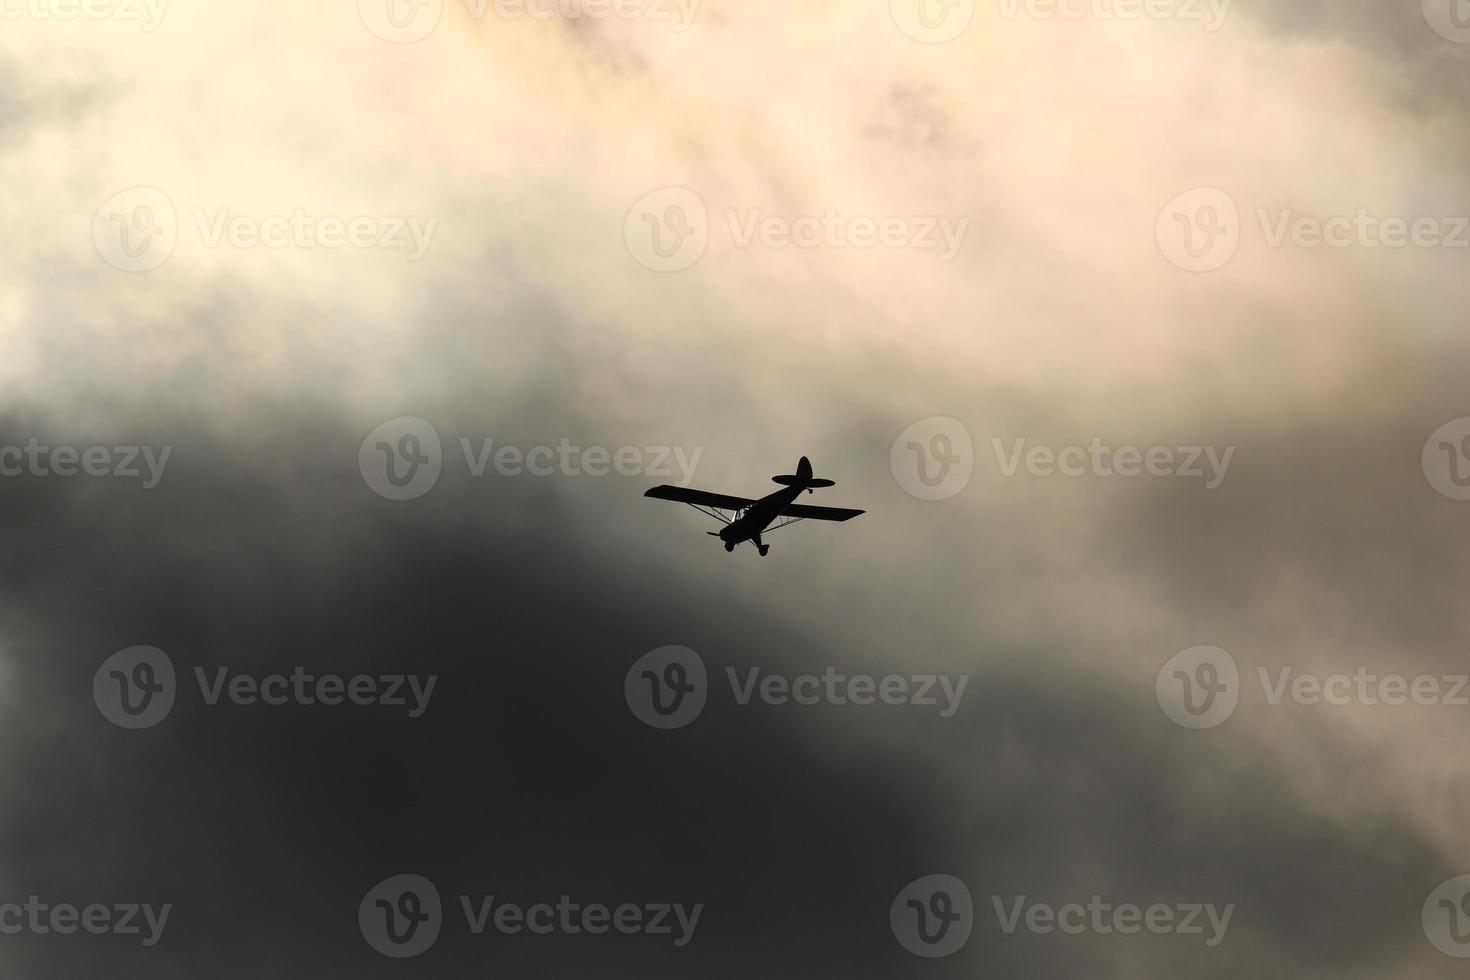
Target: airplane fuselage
{"points": [[759, 516]]}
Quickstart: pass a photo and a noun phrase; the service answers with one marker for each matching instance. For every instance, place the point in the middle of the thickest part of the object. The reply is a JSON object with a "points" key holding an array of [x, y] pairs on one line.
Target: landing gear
{"points": [[729, 545], [762, 548]]}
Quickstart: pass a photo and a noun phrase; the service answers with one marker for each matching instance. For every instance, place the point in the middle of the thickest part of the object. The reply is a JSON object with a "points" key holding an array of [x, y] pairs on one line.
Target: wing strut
{"points": [[710, 512], [786, 523]]}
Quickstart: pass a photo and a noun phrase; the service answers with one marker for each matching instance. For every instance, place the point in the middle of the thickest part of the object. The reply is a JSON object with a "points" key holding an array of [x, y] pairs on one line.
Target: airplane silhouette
{"points": [[750, 518]]}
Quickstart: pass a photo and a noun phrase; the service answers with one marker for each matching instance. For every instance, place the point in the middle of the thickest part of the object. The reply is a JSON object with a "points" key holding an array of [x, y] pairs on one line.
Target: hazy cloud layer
{"points": [[502, 170]]}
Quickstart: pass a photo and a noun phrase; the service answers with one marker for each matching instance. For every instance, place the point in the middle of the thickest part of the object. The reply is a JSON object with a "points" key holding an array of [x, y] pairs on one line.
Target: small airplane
{"points": [[750, 518]]}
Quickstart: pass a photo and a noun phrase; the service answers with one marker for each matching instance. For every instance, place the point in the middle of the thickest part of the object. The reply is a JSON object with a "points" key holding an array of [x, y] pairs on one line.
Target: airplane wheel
{"points": [[763, 549], [729, 546]]}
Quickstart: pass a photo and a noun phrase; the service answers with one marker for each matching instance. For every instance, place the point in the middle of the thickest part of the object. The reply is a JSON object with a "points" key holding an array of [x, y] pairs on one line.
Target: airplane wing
{"points": [[811, 513], [700, 498]]}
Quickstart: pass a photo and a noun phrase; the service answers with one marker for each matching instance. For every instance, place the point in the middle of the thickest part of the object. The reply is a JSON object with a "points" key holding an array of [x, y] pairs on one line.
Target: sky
{"points": [[340, 341]]}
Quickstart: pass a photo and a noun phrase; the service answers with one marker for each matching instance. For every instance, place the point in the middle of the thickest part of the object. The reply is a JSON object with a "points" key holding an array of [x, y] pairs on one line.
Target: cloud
{"points": [[534, 317]]}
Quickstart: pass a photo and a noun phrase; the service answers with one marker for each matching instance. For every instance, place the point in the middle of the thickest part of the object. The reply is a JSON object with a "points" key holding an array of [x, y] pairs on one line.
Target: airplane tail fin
{"points": [[802, 477]]}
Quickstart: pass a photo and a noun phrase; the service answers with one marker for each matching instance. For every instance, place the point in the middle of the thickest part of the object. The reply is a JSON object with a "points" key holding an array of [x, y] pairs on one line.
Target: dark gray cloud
{"points": [[1418, 69], [529, 778]]}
